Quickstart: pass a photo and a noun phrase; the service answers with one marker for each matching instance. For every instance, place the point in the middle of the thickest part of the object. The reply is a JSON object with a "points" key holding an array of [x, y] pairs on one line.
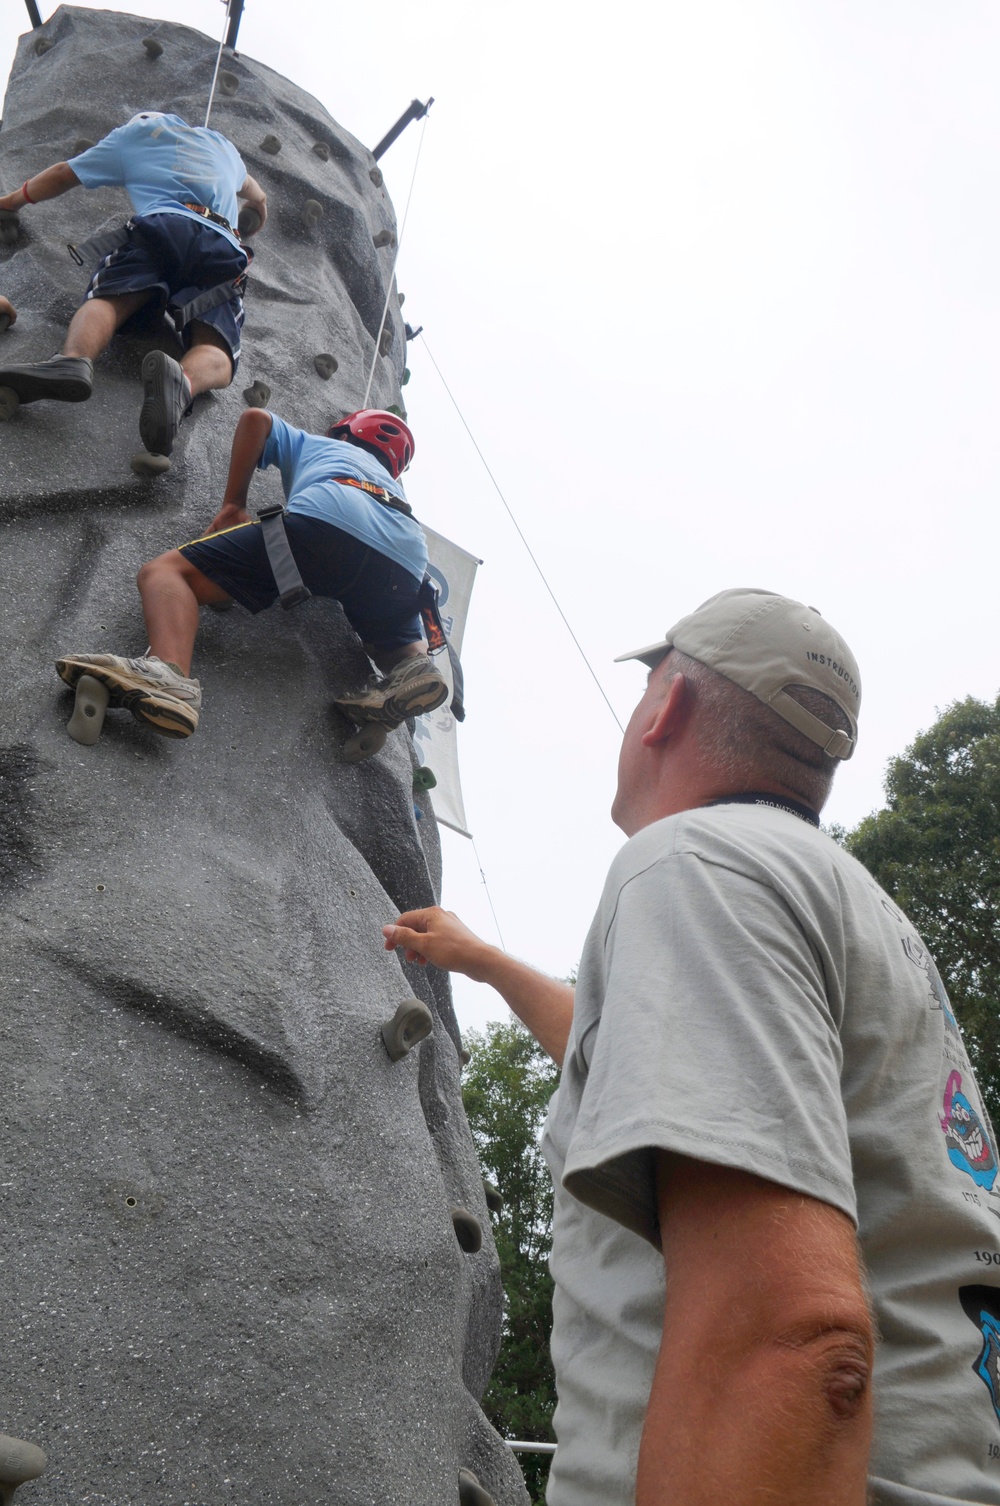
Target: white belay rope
{"points": [[218, 60], [489, 897], [392, 272]]}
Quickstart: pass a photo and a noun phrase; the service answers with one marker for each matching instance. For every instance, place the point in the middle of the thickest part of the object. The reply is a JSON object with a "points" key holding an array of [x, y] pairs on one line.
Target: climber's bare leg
{"points": [[96, 320], [172, 592], [207, 363]]}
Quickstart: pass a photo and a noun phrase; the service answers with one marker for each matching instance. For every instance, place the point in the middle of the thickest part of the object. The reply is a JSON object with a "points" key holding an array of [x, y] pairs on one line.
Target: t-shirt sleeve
{"points": [[100, 166], [283, 448], [715, 1040]]}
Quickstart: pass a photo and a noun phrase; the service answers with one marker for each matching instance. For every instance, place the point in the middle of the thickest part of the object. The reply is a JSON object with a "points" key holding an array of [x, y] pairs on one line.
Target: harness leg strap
{"points": [[292, 589]]}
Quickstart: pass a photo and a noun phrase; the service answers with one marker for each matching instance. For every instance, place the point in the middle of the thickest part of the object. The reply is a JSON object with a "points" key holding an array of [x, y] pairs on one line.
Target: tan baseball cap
{"points": [[767, 643]]}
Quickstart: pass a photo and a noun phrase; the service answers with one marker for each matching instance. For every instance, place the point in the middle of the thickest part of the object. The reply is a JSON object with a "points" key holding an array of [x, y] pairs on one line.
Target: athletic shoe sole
{"points": [[411, 700], [163, 403], [162, 711], [32, 383]]}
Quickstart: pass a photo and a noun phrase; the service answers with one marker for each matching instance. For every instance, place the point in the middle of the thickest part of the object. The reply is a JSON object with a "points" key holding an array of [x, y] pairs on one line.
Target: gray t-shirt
{"points": [[749, 996]]}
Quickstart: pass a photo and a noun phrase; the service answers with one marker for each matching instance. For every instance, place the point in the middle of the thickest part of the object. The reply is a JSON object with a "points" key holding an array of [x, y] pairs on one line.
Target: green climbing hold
{"points": [[468, 1230], [399, 412], [424, 778], [257, 395], [249, 222], [143, 463], [493, 1195], [411, 1023], [470, 1492], [405, 377], [19, 1461], [154, 49]]}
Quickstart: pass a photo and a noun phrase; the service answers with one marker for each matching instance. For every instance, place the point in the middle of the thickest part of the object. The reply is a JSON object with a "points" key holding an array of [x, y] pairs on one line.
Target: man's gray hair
{"points": [[747, 742]]}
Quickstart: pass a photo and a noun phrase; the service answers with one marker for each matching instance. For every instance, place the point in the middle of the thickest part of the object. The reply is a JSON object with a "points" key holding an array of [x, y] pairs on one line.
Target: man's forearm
{"points": [[541, 1003], [48, 184]]}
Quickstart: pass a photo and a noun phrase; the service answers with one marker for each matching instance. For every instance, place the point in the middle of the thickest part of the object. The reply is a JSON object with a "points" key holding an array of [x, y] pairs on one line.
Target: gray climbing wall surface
{"points": [[230, 1271]]}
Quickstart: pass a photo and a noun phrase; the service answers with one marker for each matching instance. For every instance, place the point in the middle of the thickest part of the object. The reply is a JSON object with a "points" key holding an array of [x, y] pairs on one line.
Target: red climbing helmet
{"points": [[385, 431]]}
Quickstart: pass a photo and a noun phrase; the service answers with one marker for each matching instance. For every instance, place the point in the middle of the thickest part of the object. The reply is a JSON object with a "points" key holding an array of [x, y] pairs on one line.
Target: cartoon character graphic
{"points": [[969, 1146], [981, 1305]]}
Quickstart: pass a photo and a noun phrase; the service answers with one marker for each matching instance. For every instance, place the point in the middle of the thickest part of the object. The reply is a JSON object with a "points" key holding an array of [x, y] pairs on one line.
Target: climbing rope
{"points": [[489, 897], [524, 541], [218, 60], [392, 272]]}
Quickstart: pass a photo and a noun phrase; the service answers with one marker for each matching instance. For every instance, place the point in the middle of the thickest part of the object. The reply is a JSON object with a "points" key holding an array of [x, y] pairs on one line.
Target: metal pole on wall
{"points": [[33, 15]]}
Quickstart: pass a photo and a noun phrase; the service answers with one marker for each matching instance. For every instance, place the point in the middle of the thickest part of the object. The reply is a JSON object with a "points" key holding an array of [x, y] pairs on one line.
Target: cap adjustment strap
{"points": [[834, 742]]}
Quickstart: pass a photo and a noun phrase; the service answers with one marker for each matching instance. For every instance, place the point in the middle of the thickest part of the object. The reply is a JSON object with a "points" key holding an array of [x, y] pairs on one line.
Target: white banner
{"points": [[454, 573]]}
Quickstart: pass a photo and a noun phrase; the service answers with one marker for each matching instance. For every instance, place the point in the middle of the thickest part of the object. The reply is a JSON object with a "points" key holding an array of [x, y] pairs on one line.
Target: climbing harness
{"points": [[94, 251], [292, 590], [378, 492]]}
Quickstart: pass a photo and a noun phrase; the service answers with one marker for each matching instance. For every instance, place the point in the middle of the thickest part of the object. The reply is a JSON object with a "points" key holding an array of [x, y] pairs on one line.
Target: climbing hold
{"points": [[399, 412], [385, 341], [363, 744], [257, 395], [154, 49], [424, 778], [4, 322], [375, 173], [464, 1056], [9, 403], [418, 814], [321, 150], [494, 1197], [384, 238], [228, 82], [10, 226], [88, 711], [326, 365], [468, 1230], [401, 299], [43, 45], [81, 144], [411, 1023], [470, 1492], [312, 213], [145, 464], [249, 221], [19, 1461], [271, 144], [405, 377]]}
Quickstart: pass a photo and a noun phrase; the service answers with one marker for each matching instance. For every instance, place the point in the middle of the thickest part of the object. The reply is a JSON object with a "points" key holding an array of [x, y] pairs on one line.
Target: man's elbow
{"points": [[836, 1356]]}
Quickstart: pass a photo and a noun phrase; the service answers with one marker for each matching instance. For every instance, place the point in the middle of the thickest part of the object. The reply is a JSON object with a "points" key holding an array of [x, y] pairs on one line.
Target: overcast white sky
{"points": [[715, 286]]}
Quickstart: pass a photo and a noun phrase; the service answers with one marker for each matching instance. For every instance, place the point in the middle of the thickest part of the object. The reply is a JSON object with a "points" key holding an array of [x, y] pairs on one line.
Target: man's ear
{"points": [[670, 713]]}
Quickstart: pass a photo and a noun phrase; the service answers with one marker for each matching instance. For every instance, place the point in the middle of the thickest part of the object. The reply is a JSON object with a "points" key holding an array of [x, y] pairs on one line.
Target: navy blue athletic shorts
{"points": [[378, 596], [178, 258]]}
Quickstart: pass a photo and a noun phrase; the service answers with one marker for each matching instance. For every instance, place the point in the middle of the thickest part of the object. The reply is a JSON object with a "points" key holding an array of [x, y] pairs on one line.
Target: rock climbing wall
{"points": [[230, 1271]]}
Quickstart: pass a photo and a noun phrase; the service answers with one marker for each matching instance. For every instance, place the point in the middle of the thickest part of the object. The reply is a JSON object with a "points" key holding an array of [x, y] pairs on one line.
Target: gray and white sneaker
{"points": [[412, 688], [154, 692], [68, 379]]}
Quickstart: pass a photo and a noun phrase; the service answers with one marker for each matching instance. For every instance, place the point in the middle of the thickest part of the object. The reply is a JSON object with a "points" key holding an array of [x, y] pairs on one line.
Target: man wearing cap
{"points": [[767, 1145]]}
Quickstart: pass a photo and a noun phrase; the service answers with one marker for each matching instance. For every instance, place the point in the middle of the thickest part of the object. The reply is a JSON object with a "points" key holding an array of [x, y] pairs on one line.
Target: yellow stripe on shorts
{"points": [[254, 523]]}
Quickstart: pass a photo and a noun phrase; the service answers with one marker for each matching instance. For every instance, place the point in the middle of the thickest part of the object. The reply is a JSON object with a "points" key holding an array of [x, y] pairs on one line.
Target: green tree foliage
{"points": [[936, 850], [506, 1090]]}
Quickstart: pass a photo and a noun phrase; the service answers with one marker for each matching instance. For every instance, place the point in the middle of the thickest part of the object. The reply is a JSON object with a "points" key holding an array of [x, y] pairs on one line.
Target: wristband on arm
{"points": [[24, 190]]}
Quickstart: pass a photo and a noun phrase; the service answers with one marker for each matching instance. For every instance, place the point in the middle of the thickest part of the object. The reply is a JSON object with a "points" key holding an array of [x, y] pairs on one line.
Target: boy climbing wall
{"points": [[184, 182], [352, 536]]}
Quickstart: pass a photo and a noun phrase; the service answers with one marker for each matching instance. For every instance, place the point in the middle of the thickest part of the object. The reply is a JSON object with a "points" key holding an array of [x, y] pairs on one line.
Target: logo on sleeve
{"points": [[981, 1305], [968, 1143]]}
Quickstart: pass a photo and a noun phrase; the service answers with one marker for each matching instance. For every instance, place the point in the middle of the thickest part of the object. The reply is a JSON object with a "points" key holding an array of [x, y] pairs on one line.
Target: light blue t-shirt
{"points": [[163, 163], [308, 462]]}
